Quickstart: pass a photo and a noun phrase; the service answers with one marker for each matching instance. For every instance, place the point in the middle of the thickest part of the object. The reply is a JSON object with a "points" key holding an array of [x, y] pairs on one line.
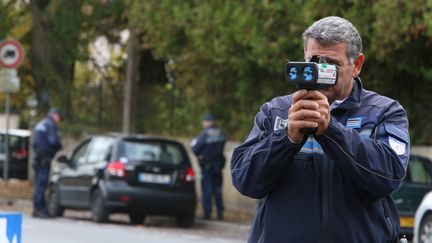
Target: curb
{"points": [[26, 206], [16, 203], [223, 226]]}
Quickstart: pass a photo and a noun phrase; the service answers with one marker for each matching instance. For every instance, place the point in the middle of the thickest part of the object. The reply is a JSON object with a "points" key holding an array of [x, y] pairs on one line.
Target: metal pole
{"points": [[168, 71], [6, 144]]}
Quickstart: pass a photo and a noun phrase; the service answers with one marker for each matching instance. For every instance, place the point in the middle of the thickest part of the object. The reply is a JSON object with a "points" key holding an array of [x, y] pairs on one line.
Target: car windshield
{"points": [[419, 171], [157, 151]]}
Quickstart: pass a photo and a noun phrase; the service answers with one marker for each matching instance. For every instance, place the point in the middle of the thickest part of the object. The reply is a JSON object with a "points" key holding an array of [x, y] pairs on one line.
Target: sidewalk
{"points": [[25, 206], [16, 197]]}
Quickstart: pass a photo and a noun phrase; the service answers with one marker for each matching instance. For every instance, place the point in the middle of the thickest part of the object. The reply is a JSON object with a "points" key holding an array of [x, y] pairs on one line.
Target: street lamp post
{"points": [[31, 104], [169, 74]]}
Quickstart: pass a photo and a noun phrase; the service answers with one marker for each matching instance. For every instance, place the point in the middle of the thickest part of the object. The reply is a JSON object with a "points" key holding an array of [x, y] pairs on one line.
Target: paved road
{"points": [[78, 229]]}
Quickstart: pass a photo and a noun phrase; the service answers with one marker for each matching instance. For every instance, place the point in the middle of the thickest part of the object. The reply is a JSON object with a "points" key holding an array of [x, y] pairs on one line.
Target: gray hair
{"points": [[333, 30]]}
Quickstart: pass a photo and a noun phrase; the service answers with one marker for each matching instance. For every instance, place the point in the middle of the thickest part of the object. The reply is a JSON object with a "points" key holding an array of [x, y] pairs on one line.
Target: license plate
{"points": [[407, 222], [154, 178]]}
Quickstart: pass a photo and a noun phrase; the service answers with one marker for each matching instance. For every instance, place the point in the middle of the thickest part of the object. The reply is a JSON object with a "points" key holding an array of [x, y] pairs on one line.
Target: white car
{"points": [[423, 221]]}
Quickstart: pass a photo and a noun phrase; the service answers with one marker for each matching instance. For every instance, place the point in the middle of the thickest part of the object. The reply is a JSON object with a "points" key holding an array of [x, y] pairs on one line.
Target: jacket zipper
{"points": [[325, 218], [389, 222]]}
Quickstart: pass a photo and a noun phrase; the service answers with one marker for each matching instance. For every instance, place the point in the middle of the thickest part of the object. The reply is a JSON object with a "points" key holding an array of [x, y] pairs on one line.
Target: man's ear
{"points": [[358, 63]]}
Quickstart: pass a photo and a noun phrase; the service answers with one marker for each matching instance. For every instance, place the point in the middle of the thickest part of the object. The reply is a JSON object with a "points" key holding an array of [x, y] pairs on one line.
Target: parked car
{"points": [[134, 174], [407, 197], [18, 140], [423, 221]]}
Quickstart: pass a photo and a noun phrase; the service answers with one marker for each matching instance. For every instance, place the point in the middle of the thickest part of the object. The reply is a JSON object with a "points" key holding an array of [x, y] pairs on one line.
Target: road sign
{"points": [[10, 227], [11, 54], [9, 81]]}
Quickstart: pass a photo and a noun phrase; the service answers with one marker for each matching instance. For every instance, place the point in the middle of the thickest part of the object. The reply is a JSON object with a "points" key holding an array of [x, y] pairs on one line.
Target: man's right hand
{"points": [[304, 110]]}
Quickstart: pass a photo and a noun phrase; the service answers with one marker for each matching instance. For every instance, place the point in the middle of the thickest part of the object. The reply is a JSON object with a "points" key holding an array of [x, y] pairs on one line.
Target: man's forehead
{"points": [[337, 52]]}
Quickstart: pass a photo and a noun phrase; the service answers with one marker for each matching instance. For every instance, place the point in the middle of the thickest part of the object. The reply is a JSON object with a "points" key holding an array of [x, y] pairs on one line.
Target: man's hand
{"points": [[324, 110], [309, 109]]}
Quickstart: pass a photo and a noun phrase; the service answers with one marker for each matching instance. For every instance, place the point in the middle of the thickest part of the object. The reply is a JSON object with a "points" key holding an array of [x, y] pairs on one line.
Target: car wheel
{"points": [[136, 218], [99, 211], [185, 221], [54, 207], [425, 231]]}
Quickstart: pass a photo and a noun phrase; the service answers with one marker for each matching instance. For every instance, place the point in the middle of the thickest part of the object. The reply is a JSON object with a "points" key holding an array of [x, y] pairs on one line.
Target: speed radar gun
{"points": [[313, 75]]}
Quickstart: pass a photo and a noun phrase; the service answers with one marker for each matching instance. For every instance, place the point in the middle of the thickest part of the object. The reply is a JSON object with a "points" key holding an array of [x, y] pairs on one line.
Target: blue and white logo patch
{"points": [[280, 123], [312, 147], [398, 146], [354, 122], [366, 133]]}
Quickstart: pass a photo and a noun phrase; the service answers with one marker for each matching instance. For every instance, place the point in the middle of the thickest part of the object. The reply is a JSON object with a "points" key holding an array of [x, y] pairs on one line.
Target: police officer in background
{"points": [[208, 147], [46, 143]]}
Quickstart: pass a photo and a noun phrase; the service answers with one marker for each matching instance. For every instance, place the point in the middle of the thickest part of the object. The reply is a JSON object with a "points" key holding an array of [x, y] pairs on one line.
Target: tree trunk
{"points": [[129, 96], [40, 54], [54, 49]]}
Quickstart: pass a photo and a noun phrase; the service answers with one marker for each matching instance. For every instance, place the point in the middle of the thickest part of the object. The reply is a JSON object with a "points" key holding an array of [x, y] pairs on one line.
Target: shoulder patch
{"points": [[354, 122], [398, 146], [280, 123], [40, 127]]}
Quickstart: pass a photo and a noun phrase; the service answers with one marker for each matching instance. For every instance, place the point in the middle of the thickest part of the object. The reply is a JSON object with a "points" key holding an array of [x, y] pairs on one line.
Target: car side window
{"points": [[79, 156], [99, 149], [175, 155], [419, 172]]}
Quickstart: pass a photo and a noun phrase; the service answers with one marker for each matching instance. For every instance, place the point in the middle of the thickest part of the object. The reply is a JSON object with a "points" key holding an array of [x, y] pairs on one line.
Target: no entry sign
{"points": [[11, 54]]}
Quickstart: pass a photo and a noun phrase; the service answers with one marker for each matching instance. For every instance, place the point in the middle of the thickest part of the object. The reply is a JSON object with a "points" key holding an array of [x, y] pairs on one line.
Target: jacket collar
{"points": [[354, 99]]}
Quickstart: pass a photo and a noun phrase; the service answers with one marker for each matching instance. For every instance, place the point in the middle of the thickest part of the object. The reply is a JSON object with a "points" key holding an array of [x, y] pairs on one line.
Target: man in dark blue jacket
{"points": [[46, 143], [208, 147], [334, 185]]}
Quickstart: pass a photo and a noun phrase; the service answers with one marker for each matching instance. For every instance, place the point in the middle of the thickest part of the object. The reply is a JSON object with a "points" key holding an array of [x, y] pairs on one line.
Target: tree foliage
{"points": [[227, 57], [233, 52]]}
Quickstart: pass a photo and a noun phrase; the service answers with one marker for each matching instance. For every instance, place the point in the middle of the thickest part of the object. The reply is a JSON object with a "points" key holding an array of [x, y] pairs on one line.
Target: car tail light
{"points": [[190, 174], [124, 198], [20, 154], [116, 169]]}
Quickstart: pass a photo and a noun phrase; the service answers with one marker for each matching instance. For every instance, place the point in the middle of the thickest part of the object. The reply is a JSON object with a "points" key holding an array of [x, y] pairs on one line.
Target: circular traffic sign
{"points": [[11, 54]]}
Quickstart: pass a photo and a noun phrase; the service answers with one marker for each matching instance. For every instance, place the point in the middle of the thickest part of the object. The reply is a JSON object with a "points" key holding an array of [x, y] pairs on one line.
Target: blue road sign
{"points": [[10, 227]]}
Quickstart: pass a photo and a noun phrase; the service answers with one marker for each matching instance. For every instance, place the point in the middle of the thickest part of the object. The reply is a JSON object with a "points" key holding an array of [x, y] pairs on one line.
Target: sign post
{"points": [[11, 57]]}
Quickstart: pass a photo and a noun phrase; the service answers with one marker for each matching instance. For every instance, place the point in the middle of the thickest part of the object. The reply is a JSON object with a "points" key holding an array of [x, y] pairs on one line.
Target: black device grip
{"points": [[308, 130]]}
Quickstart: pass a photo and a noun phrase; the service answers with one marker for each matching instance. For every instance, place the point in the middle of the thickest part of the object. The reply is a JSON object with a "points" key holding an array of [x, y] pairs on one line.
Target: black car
{"points": [[134, 174], [408, 196], [18, 140]]}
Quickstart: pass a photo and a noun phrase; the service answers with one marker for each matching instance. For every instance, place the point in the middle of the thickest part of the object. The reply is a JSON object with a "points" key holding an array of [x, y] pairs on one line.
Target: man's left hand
{"points": [[324, 108]]}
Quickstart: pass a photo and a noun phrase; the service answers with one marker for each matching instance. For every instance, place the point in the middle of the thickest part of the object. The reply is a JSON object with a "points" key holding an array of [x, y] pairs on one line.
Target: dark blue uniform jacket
{"points": [[45, 138], [208, 147], [333, 187]]}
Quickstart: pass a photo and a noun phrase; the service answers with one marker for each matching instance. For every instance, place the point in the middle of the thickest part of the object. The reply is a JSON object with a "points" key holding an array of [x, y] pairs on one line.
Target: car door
{"points": [[68, 182], [87, 173]]}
